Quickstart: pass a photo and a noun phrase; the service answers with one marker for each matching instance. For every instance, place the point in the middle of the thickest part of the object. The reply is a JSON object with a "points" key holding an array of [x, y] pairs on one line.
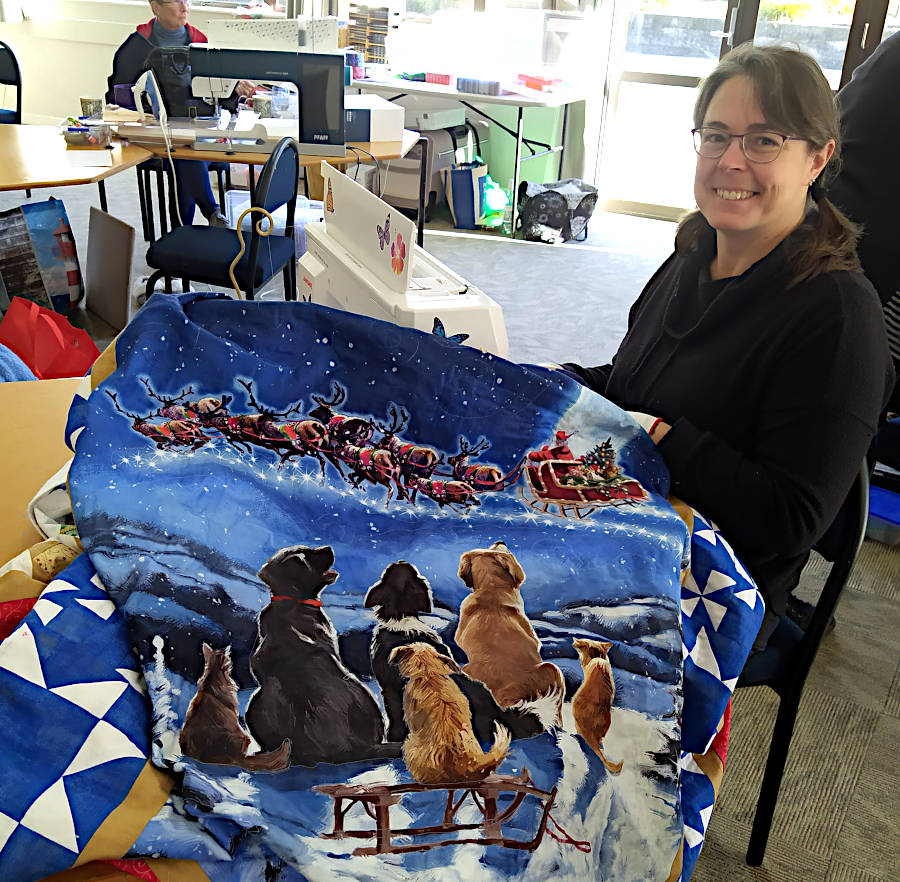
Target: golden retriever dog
{"points": [[592, 703], [441, 747], [494, 632]]}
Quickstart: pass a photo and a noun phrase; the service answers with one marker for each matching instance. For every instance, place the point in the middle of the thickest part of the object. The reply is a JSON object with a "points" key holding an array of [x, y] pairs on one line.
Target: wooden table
{"points": [[378, 150], [33, 157], [29, 460]]}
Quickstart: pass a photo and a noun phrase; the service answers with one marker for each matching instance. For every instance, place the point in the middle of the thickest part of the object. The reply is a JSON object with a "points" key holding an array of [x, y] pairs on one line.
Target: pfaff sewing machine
{"points": [[318, 77], [363, 258]]}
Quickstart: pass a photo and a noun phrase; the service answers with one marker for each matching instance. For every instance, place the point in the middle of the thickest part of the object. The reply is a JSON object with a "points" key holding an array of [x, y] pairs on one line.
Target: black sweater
{"points": [[773, 397]]}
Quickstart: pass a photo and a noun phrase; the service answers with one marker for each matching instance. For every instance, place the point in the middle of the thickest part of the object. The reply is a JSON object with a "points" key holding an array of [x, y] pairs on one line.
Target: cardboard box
{"points": [[372, 118]]}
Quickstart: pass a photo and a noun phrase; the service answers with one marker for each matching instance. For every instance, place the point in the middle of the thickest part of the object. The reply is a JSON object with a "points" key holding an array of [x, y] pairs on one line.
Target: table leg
{"points": [[516, 171], [423, 185], [101, 185], [562, 141]]}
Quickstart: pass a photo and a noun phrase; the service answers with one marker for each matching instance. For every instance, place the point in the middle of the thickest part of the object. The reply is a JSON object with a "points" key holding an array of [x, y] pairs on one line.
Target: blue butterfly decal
{"points": [[438, 331], [384, 232]]}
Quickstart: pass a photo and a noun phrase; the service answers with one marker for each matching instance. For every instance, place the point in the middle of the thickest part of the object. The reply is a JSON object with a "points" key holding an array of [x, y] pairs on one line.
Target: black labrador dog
{"points": [[398, 597], [305, 691]]}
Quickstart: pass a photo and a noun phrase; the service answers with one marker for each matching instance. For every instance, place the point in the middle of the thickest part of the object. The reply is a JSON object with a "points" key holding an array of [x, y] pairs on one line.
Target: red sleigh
{"points": [[574, 490]]}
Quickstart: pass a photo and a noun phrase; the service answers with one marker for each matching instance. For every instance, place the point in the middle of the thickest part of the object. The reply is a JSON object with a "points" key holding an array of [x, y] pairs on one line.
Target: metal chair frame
{"points": [[843, 540], [260, 196], [11, 75]]}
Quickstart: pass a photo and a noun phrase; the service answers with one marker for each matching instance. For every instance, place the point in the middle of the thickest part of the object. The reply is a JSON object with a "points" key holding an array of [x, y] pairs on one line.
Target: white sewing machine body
{"points": [[354, 263], [241, 132]]}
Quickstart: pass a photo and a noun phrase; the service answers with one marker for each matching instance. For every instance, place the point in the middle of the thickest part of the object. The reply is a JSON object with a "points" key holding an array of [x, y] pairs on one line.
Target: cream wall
{"points": [[66, 50]]}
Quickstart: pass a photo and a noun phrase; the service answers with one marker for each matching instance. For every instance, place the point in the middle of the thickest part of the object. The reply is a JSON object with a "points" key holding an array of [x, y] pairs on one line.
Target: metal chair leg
{"points": [[771, 783], [286, 274], [161, 196], [151, 284], [148, 196], [220, 175], [173, 195], [185, 285], [143, 203]]}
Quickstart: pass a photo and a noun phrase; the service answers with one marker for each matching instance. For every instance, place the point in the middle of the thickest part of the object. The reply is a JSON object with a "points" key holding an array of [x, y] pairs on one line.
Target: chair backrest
{"points": [[785, 664], [277, 186], [840, 545], [10, 75]]}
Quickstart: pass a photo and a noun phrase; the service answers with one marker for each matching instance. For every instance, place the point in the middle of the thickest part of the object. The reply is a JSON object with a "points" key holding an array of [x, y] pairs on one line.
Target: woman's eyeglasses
{"points": [[712, 143]]}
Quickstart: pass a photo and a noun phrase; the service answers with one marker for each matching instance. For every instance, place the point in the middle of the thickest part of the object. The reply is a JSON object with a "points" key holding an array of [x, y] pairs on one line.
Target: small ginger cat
{"points": [[592, 703]]}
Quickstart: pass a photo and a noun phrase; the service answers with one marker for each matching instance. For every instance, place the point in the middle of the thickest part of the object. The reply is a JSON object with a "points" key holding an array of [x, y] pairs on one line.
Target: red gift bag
{"points": [[45, 341]]}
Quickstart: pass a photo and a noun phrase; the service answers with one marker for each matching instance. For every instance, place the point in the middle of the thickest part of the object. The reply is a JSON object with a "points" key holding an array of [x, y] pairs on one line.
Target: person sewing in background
{"points": [[169, 27], [756, 356]]}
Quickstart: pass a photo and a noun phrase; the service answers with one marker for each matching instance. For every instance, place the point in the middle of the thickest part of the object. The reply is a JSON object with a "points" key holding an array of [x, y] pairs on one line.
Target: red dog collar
{"points": [[307, 602]]}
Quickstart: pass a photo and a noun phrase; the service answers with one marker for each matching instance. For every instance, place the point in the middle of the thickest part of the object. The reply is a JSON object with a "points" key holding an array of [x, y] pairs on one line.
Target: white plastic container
{"points": [[307, 210]]}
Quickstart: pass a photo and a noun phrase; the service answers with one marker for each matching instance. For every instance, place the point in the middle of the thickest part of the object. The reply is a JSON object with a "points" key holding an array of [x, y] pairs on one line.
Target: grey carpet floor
{"points": [[838, 815]]}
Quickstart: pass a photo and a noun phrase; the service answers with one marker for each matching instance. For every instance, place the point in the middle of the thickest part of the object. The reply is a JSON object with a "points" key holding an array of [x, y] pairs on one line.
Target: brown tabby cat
{"points": [[592, 703], [212, 732]]}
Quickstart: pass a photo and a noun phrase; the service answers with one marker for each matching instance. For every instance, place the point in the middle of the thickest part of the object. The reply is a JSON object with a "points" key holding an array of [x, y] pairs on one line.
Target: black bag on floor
{"points": [[557, 211]]}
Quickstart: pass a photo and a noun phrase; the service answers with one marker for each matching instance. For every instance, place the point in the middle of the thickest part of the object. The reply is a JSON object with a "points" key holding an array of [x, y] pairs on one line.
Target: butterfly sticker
{"points": [[329, 199], [438, 331], [384, 232]]}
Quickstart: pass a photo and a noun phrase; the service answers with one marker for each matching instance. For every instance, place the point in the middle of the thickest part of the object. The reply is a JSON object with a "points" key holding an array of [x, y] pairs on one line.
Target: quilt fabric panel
{"points": [[402, 607]]}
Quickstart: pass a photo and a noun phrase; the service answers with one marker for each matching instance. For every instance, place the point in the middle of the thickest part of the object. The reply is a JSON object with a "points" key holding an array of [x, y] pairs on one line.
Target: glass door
{"points": [[646, 158], [819, 27]]}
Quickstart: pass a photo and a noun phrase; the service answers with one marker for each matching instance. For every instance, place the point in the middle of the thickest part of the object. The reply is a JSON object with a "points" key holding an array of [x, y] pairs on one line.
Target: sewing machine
{"points": [[363, 258], [319, 127], [319, 78]]}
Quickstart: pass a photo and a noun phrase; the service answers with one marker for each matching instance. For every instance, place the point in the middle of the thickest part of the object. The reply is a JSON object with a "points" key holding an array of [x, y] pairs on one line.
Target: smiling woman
{"points": [[756, 356]]}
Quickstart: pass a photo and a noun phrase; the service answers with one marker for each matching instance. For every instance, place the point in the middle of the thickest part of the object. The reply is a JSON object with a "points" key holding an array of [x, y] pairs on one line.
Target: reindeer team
{"points": [[346, 441]]}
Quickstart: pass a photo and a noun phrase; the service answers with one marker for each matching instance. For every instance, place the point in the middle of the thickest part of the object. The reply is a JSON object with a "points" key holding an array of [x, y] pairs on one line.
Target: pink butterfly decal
{"points": [[384, 232]]}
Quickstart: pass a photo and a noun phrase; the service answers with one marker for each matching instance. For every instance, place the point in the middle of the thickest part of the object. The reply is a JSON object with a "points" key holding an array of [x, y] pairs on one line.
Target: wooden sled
{"points": [[377, 800]]}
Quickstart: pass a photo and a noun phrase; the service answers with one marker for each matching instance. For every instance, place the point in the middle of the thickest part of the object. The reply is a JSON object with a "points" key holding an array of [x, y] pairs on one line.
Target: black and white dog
{"points": [[398, 598], [305, 691]]}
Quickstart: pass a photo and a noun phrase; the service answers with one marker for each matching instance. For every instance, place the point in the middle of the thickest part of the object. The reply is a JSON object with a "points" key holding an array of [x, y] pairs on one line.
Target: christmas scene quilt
{"points": [[403, 609]]}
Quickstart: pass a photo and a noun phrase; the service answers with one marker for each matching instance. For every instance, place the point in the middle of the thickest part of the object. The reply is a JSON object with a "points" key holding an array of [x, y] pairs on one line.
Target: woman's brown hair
{"points": [[795, 98]]}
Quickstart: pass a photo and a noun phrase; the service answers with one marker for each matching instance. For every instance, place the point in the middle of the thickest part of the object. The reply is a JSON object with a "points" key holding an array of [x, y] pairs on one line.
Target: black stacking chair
{"points": [[10, 75], [160, 167], [784, 664], [204, 254]]}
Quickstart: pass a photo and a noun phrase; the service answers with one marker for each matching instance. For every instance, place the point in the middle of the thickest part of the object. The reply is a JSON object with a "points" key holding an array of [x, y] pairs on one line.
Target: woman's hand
{"points": [[244, 89], [654, 426]]}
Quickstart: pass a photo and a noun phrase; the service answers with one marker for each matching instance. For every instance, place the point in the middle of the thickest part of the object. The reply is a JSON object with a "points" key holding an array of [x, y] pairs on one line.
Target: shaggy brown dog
{"points": [[592, 703], [212, 732], [441, 747], [493, 631]]}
